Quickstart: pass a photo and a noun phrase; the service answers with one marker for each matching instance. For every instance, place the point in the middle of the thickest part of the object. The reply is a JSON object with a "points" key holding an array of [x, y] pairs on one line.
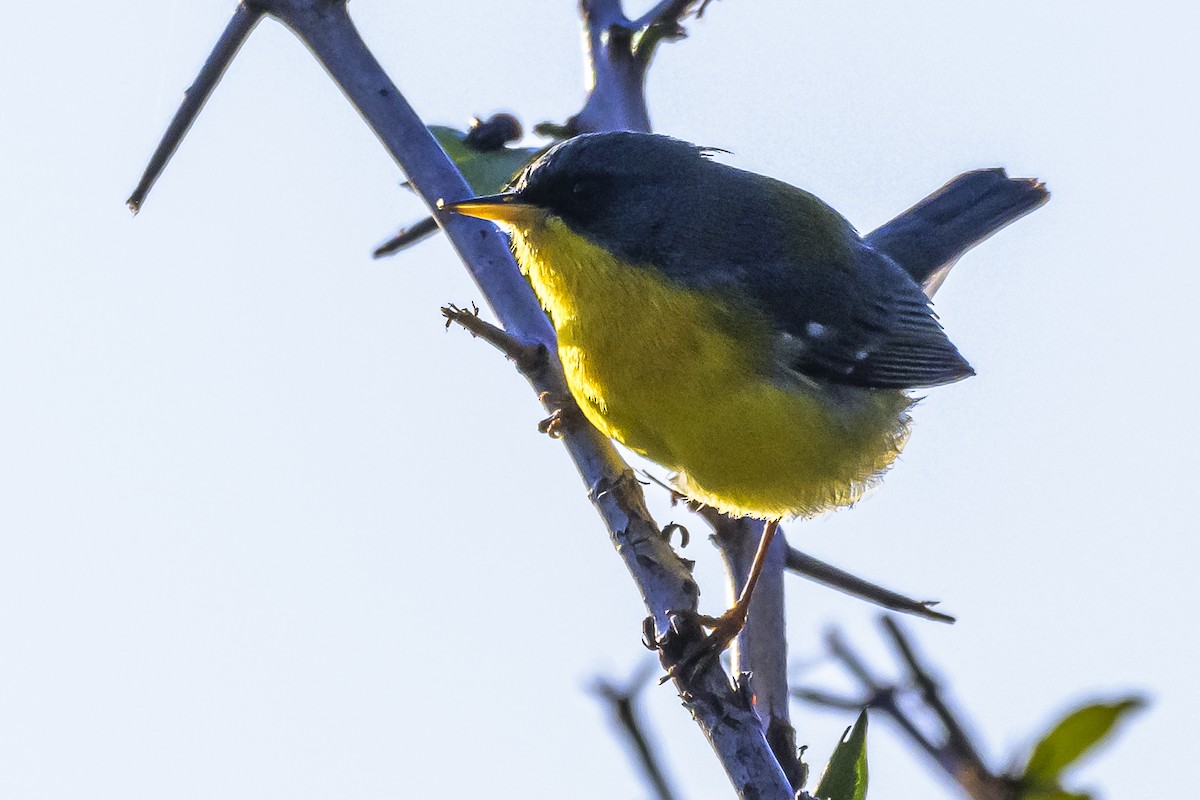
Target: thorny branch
{"points": [[663, 578], [938, 230]]}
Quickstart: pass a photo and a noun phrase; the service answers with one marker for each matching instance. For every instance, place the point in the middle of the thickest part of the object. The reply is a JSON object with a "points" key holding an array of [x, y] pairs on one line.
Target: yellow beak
{"points": [[505, 209]]}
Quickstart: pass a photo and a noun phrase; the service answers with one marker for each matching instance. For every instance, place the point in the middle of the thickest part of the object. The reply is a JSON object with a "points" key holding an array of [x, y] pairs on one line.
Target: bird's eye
{"points": [[584, 198]]}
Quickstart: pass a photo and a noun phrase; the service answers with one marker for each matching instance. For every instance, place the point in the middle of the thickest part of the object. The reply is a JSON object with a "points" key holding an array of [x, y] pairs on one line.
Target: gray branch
{"points": [[620, 51]]}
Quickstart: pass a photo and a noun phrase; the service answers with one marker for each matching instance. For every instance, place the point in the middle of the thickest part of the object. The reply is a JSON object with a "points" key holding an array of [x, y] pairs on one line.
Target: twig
{"points": [[825, 699], [234, 35], [531, 358], [957, 739], [407, 236], [882, 697], [831, 576], [623, 704], [953, 751], [840, 650]]}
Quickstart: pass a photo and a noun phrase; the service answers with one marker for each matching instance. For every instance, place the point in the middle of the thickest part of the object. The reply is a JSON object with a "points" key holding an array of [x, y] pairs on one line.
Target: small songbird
{"points": [[728, 326]]}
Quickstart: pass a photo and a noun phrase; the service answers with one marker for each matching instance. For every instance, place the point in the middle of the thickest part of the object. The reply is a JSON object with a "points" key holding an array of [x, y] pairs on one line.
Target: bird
{"points": [[726, 325]]}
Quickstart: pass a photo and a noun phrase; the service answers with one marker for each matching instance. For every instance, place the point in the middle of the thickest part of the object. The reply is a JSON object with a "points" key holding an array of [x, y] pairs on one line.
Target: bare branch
{"points": [[953, 751], [531, 358], [882, 697], [831, 576], [234, 35], [957, 739], [617, 96], [827, 700], [666, 13], [840, 650]]}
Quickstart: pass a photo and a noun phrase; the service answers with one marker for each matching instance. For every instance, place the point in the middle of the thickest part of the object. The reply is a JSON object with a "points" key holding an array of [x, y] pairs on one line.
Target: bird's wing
{"points": [[860, 321], [842, 311]]}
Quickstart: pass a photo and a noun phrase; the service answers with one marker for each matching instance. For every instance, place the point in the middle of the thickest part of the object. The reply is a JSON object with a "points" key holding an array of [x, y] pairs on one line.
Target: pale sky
{"points": [[267, 530]]}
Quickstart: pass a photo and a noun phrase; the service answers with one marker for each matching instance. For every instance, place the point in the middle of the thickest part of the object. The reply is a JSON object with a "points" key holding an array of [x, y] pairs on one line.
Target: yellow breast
{"points": [[678, 375]]}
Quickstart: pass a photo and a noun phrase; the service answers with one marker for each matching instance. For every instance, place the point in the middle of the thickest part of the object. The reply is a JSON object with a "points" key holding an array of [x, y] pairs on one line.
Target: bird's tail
{"points": [[927, 239]]}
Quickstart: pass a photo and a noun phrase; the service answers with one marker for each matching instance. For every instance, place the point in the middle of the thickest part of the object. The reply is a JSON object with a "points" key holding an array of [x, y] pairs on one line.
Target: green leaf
{"points": [[845, 776], [486, 171], [1074, 735]]}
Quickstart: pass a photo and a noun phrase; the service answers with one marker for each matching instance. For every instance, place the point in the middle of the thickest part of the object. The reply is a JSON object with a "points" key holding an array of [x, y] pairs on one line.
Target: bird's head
{"points": [[614, 188]]}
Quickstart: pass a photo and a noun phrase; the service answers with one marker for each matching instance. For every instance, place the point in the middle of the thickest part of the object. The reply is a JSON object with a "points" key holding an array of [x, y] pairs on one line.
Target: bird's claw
{"points": [[553, 425], [565, 417], [723, 630]]}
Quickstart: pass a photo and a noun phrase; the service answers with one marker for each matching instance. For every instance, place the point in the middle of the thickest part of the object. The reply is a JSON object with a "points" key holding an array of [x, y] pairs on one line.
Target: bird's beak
{"points": [[505, 208]]}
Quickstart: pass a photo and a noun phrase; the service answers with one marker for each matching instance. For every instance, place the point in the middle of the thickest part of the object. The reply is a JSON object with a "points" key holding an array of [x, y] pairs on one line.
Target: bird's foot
{"points": [[565, 417], [723, 630]]}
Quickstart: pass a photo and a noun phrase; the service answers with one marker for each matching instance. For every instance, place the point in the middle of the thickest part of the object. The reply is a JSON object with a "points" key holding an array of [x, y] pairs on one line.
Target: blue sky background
{"points": [[267, 530]]}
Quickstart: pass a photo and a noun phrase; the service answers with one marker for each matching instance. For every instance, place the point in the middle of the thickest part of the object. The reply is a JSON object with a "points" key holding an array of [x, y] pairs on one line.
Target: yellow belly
{"points": [[672, 374]]}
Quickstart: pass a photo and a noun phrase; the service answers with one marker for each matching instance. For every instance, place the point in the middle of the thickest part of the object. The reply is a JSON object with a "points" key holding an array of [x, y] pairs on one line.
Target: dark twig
{"points": [[531, 358], [234, 35], [407, 236], [829, 575], [957, 739], [824, 699], [855, 665], [623, 704], [665, 13], [952, 750], [879, 695]]}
